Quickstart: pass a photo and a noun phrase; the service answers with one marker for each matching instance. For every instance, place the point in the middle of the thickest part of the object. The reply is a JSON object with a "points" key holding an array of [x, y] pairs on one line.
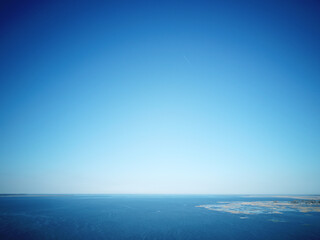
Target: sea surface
{"points": [[146, 217]]}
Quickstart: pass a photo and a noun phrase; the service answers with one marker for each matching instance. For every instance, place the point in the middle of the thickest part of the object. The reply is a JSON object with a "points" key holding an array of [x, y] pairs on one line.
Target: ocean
{"points": [[146, 217]]}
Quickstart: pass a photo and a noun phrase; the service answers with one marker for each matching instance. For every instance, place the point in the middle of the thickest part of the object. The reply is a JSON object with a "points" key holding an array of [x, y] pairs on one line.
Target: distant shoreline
{"points": [[304, 197]]}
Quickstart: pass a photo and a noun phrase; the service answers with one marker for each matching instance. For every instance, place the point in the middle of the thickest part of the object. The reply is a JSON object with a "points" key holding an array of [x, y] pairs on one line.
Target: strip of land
{"points": [[302, 204]]}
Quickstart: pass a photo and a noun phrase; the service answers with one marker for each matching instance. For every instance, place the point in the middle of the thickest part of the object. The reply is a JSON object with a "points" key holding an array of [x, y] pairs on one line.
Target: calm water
{"points": [[144, 217]]}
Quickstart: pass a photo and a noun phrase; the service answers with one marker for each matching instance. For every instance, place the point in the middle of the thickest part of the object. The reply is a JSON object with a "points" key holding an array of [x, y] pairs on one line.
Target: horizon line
{"points": [[248, 194]]}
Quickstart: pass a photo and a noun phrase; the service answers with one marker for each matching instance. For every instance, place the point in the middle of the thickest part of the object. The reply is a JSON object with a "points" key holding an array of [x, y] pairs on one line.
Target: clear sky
{"points": [[212, 97]]}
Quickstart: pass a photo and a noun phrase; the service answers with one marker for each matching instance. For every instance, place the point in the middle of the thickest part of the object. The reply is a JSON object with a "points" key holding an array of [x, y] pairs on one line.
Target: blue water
{"points": [[144, 217]]}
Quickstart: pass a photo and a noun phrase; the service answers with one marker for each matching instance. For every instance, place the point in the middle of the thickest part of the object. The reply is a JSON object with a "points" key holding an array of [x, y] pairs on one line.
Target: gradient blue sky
{"points": [[210, 97]]}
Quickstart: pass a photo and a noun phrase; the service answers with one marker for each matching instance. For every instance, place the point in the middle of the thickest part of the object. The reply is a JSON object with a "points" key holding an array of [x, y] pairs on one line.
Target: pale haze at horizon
{"points": [[160, 97]]}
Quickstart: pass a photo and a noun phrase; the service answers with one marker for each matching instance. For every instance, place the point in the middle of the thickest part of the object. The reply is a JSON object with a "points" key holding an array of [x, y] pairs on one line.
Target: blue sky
{"points": [[209, 97]]}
